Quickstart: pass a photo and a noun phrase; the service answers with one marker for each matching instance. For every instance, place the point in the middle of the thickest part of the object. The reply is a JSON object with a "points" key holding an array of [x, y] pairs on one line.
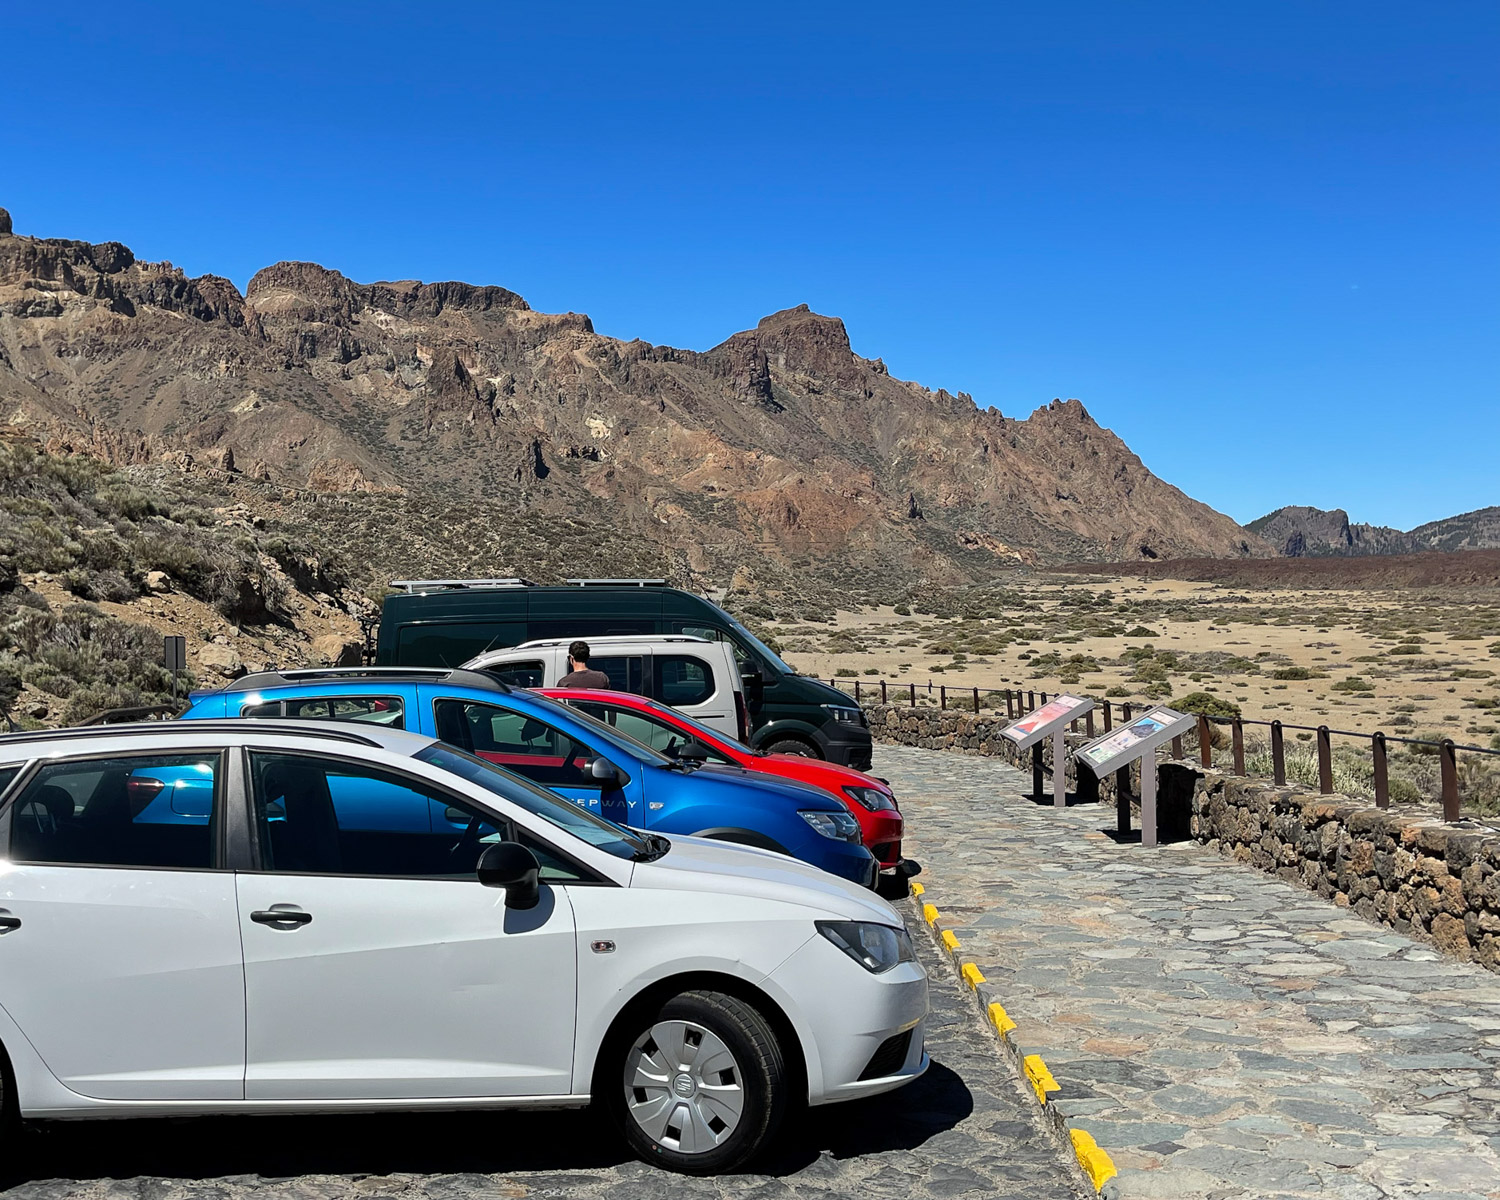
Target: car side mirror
{"points": [[692, 752], [511, 866], [603, 770]]}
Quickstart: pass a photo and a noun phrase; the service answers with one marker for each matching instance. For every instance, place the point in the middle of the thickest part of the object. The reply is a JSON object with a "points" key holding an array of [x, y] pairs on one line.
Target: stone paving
{"points": [[1220, 1033], [964, 1129]]}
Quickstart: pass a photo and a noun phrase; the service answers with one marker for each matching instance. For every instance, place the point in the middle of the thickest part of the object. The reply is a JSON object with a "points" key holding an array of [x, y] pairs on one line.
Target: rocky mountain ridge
{"points": [[778, 453], [1297, 531]]}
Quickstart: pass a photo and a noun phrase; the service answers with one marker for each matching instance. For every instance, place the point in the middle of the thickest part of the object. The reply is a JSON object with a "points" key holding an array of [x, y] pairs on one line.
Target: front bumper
{"points": [[847, 745], [853, 1016], [882, 833]]}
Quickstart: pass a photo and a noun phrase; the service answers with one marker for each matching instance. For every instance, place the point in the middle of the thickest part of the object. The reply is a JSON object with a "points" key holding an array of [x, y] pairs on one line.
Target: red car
{"points": [[670, 732]]}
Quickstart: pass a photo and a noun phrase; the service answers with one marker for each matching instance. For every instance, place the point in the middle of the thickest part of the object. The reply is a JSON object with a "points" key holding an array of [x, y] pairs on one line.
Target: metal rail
{"points": [[1018, 702]]}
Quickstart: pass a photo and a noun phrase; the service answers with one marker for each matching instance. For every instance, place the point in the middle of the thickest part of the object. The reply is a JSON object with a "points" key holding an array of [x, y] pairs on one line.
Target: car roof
{"points": [[315, 677], [332, 734]]}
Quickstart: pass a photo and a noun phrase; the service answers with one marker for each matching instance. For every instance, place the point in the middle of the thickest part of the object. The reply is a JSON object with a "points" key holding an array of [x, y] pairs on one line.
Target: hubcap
{"points": [[683, 1087]]}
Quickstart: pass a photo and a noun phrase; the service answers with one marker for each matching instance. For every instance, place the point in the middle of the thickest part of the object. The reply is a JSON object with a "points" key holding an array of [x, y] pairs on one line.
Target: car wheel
{"points": [[792, 746], [701, 1085]]}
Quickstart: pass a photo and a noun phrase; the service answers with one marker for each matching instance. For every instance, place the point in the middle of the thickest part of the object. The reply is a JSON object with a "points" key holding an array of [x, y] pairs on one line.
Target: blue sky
{"points": [[1259, 240]]}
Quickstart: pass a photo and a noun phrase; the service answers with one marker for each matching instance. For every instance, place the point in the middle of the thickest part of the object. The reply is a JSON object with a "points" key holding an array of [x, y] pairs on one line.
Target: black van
{"points": [[446, 622]]}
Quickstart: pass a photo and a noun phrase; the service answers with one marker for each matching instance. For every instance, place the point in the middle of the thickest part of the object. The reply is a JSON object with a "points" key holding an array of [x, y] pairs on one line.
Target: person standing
{"points": [[580, 675]]}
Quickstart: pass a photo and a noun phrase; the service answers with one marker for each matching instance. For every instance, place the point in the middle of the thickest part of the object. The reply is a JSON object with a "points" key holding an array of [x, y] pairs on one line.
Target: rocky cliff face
{"points": [[1300, 532], [780, 449]]}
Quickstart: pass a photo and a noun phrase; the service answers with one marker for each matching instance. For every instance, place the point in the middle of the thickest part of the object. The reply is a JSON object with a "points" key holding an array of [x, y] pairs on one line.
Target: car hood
{"points": [[705, 865], [829, 775], [803, 795]]}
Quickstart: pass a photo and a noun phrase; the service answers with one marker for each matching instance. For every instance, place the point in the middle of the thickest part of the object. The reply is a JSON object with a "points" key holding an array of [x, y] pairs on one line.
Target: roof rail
{"points": [[222, 725], [424, 585], [261, 680], [618, 582]]}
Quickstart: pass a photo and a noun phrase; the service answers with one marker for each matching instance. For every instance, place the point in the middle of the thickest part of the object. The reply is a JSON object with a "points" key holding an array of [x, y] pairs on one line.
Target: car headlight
{"points": [[839, 825], [877, 948], [871, 798], [845, 715]]}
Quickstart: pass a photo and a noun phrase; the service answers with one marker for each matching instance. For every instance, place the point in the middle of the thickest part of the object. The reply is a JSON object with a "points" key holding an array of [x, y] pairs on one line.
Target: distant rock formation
{"points": [[1297, 531]]}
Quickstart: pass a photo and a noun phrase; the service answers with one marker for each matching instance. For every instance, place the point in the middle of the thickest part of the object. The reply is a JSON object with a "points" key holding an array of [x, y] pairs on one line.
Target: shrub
{"points": [[1405, 649], [1141, 631], [903, 610], [1295, 673], [1207, 704], [846, 673], [1353, 683]]}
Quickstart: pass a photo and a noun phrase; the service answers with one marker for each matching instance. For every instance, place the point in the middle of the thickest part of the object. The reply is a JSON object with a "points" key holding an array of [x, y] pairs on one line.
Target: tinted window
{"points": [[529, 674], [596, 831], [624, 673], [656, 732], [6, 775], [369, 710], [132, 811], [323, 816], [453, 645], [516, 741], [681, 679], [587, 627]]}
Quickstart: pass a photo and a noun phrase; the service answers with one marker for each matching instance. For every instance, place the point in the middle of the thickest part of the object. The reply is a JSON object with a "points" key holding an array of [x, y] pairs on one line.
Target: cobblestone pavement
{"points": [[963, 1129], [1221, 1033]]}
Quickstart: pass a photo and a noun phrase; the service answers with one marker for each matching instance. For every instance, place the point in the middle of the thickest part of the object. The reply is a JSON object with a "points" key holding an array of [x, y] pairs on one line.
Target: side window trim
{"points": [[18, 786]]}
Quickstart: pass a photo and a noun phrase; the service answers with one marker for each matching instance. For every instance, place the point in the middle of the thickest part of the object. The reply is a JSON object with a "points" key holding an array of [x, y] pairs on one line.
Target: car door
{"points": [[376, 965], [541, 752], [119, 938]]}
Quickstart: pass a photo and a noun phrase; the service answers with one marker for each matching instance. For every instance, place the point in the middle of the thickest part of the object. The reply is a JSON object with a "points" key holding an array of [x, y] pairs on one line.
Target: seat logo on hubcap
{"points": [[683, 1085]]}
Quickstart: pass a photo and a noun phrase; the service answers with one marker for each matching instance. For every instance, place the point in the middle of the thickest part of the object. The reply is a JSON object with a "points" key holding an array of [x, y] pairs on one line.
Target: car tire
{"points": [[698, 1085], [792, 746]]}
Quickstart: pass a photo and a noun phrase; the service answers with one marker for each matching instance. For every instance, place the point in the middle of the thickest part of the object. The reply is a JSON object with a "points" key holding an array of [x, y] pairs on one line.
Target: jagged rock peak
{"points": [[5, 226]]}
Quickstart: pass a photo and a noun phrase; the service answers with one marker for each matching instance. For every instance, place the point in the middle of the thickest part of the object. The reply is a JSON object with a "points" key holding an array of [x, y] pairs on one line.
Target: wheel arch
{"points": [[789, 730], [659, 992]]}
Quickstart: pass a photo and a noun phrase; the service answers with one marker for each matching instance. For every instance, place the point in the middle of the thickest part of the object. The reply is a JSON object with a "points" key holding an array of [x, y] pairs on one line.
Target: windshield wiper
{"points": [[656, 846]]}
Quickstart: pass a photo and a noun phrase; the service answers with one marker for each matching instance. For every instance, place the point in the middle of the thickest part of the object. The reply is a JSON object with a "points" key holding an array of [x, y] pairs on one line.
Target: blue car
{"points": [[567, 751]]}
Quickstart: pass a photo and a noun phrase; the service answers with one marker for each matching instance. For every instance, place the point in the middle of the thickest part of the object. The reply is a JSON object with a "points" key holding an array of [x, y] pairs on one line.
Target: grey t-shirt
{"points": [[586, 678]]}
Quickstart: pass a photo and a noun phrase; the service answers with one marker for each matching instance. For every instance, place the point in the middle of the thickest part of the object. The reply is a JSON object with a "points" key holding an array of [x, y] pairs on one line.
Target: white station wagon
{"points": [[271, 917]]}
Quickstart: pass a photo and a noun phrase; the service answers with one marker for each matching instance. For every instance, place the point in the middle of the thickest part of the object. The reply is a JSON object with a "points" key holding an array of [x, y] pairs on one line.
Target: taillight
{"points": [[742, 716]]}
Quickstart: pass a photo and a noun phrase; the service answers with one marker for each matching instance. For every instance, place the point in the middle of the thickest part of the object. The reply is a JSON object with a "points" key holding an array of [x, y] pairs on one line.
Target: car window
{"points": [[656, 732], [6, 775], [681, 679], [386, 711], [130, 811], [517, 741], [328, 817], [624, 671], [596, 831], [529, 674], [451, 644]]}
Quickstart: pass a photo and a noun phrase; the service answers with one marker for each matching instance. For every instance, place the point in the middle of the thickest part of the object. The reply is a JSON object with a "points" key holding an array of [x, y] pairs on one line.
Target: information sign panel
{"points": [[1051, 720], [1035, 726], [1139, 739]]}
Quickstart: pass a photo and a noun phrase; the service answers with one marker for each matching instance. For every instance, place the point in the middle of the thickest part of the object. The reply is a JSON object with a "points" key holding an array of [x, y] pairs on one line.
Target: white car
{"points": [[691, 674], [271, 917]]}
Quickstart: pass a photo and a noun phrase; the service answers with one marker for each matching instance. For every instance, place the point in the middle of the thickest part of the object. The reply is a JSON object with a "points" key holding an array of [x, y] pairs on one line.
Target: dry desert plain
{"points": [[1408, 661]]}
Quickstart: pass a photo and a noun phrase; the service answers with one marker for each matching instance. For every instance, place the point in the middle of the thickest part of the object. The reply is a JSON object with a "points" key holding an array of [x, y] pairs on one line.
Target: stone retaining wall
{"points": [[1436, 881]]}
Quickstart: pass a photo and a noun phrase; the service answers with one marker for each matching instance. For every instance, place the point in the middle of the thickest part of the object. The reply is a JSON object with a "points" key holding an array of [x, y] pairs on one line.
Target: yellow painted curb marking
{"points": [[930, 913], [1039, 1077], [1096, 1164], [950, 940], [973, 976], [918, 890], [1000, 1019]]}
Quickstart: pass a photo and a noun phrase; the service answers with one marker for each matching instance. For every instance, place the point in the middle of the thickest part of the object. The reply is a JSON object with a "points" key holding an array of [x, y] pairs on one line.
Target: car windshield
{"points": [[620, 741], [605, 835], [760, 647]]}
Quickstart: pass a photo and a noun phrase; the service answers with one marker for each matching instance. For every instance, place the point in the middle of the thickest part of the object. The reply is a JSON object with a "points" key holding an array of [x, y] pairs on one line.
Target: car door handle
{"points": [[281, 916], [8, 921]]}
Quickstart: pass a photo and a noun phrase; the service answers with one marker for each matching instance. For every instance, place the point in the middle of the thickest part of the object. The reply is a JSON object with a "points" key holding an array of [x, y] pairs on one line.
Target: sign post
{"points": [[174, 658], [1117, 750], [1051, 720]]}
